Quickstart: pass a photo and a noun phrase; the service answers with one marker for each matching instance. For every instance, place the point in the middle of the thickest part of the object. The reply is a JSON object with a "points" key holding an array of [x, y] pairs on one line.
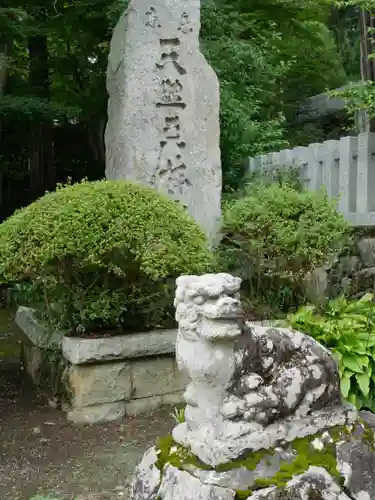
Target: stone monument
{"points": [[264, 417], [163, 109]]}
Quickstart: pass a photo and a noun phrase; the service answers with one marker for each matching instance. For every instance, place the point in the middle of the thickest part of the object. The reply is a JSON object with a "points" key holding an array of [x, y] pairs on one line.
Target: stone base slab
{"points": [[228, 440]]}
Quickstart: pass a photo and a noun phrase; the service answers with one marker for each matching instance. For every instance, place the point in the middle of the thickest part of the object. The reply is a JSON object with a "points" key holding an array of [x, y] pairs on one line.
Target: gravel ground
{"points": [[41, 453]]}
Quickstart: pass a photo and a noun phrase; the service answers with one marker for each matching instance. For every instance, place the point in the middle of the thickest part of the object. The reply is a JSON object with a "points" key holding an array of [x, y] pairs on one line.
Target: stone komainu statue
{"points": [[257, 398]]}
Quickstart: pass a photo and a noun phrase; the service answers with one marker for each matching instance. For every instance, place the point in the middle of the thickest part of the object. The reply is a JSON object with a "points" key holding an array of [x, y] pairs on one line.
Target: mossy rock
{"points": [[337, 455]]}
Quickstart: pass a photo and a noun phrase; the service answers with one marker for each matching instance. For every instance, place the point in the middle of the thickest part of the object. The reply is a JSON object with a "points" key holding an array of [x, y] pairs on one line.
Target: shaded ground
{"points": [[40, 452]]}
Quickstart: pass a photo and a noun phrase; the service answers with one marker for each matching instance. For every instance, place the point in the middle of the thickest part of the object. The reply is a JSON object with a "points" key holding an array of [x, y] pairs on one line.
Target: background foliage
{"points": [[269, 55]]}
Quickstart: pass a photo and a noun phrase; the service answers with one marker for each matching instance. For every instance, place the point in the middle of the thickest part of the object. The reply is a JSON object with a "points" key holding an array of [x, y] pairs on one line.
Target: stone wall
{"points": [[102, 379], [352, 274]]}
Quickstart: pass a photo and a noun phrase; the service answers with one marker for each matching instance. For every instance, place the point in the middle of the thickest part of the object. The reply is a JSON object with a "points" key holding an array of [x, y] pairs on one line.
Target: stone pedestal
{"points": [[103, 379]]}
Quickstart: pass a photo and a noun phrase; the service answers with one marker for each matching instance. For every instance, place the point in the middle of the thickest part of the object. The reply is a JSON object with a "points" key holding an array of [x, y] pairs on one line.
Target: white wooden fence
{"points": [[346, 168]]}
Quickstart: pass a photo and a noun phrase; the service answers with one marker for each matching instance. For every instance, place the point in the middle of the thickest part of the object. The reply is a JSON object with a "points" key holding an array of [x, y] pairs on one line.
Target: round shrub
{"points": [[275, 234], [101, 255]]}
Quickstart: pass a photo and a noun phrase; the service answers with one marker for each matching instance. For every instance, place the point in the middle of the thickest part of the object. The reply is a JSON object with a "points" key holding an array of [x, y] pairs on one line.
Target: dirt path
{"points": [[41, 453]]}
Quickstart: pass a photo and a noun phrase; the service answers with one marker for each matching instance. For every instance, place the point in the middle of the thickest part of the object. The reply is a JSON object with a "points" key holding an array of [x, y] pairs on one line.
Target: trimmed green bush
{"points": [[101, 255], [274, 235]]}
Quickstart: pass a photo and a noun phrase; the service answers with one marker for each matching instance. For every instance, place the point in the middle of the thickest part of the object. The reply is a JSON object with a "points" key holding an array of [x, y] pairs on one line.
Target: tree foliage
{"points": [[268, 54]]}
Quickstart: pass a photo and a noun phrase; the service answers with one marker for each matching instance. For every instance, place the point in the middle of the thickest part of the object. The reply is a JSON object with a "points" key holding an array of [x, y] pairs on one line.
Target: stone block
{"points": [[174, 398], [98, 384], [364, 280], [146, 478], [177, 484], [156, 376], [144, 405], [39, 334], [317, 285], [366, 248], [106, 412], [32, 361], [80, 351]]}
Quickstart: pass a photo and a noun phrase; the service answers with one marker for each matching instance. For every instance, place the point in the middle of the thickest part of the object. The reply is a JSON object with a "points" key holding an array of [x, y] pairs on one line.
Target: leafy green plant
{"points": [[274, 235], [347, 328], [101, 255], [178, 415]]}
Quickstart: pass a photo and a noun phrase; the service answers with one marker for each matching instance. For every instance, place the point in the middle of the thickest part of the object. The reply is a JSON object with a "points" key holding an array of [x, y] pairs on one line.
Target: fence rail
{"points": [[345, 167]]}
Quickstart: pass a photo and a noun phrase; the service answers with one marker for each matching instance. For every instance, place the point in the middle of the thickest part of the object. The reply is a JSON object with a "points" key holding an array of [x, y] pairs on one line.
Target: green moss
{"points": [[248, 461], [242, 495], [174, 454], [368, 436]]}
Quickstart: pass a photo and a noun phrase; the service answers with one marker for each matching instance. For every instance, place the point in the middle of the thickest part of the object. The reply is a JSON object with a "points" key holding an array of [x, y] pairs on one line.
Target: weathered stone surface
{"points": [[163, 109], [366, 247], [173, 398], [46, 369], [80, 351], [146, 479], [242, 478], [38, 334], [32, 360], [95, 414], [156, 376], [180, 485], [356, 461], [315, 484], [251, 387], [235, 438], [97, 384], [145, 405], [317, 285], [364, 280], [348, 265]]}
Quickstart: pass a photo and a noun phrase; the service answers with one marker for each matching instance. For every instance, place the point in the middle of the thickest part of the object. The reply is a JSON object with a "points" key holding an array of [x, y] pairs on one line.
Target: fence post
{"points": [[331, 163], [366, 172], [348, 149], [316, 176], [302, 158], [286, 157]]}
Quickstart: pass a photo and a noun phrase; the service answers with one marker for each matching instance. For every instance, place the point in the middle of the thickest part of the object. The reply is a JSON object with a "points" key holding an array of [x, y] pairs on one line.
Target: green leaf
{"points": [[345, 383], [352, 399], [354, 363], [363, 380]]}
